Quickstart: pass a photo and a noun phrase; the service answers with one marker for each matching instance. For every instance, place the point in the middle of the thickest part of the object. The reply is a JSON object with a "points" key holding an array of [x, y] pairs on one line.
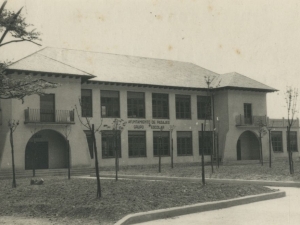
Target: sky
{"points": [[258, 38]]}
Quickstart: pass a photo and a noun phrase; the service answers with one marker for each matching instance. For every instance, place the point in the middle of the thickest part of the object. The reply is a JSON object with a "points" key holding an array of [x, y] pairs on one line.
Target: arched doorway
{"points": [[247, 146], [47, 149]]}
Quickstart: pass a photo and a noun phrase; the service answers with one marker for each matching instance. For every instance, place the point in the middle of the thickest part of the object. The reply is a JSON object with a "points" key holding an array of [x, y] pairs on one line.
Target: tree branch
{"points": [[9, 42]]}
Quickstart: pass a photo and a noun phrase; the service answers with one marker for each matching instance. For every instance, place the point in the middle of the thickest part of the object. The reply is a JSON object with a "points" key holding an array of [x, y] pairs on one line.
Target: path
{"points": [[274, 212]]}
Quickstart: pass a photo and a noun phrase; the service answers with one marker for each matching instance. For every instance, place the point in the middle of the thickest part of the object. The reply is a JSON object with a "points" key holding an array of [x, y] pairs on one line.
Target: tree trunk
{"points": [[211, 155], [159, 154], [33, 158], [69, 160], [289, 151], [96, 164], [14, 184], [202, 155], [172, 160], [116, 154]]}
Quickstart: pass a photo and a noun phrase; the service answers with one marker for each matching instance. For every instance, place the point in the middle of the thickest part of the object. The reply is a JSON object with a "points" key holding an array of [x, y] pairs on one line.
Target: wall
{"points": [[192, 124], [66, 96], [236, 100]]}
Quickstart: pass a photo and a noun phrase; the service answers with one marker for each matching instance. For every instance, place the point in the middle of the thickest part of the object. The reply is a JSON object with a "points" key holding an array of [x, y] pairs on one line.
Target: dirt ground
{"points": [[16, 220]]}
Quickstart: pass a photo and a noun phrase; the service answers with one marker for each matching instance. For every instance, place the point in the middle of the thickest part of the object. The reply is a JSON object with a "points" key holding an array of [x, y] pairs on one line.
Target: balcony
{"points": [[240, 120], [47, 116], [282, 123]]}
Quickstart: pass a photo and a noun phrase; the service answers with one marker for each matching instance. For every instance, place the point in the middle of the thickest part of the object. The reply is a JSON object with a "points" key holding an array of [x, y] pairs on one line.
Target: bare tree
{"points": [[67, 132], [172, 127], [88, 124], [117, 128], [208, 111], [291, 96], [262, 131], [12, 124]]}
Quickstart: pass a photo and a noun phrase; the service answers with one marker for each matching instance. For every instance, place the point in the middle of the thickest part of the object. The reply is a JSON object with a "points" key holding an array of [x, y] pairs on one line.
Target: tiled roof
{"points": [[129, 69], [236, 80]]}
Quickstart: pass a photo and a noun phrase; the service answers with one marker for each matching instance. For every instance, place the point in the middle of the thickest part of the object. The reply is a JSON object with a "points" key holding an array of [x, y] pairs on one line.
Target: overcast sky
{"points": [[257, 38]]}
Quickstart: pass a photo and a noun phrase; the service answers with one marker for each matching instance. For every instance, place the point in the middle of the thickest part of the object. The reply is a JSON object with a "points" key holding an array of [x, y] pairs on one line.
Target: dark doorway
{"points": [[238, 149], [247, 147], [47, 108], [37, 154]]}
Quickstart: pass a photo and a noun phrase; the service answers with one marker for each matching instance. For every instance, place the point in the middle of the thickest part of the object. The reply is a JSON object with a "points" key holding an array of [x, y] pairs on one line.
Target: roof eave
{"points": [[246, 89]]}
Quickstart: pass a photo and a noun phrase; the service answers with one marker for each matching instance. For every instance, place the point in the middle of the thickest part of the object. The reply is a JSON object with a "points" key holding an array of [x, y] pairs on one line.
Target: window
{"points": [[160, 106], [108, 143], [161, 141], [248, 113], [89, 139], [204, 107], [293, 143], [110, 104], [184, 143], [137, 143], [206, 143], [276, 137], [183, 107], [47, 108], [86, 103], [135, 105]]}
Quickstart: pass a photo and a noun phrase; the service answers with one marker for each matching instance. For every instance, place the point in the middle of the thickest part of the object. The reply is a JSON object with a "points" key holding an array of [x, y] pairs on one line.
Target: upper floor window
{"points": [[276, 137], [47, 108], [111, 140], [110, 104], [183, 107], [86, 103], [184, 143], [293, 141], [248, 113], [204, 107], [161, 143], [137, 143], [136, 105], [160, 106], [205, 142]]}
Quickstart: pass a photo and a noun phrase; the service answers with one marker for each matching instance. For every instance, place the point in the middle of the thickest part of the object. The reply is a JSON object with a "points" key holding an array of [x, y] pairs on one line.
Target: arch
{"points": [[46, 149], [247, 147]]}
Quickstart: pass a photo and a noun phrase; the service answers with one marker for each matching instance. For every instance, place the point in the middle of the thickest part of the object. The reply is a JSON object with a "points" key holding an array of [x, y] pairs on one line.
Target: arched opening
{"points": [[47, 149], [247, 146]]}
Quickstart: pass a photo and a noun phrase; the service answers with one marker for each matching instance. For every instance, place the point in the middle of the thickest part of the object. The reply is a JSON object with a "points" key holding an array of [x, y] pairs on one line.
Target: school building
{"points": [[162, 102]]}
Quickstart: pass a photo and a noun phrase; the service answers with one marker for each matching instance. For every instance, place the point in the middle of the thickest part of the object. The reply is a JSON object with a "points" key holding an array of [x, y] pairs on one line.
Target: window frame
{"points": [[109, 134], [91, 109], [139, 151], [135, 105], [184, 139], [248, 118], [156, 136], [296, 141], [200, 106], [278, 143], [186, 114], [159, 108], [101, 105]]}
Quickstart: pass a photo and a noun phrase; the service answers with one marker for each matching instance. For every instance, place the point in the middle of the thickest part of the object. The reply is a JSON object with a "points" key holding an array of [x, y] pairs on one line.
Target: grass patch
{"points": [[73, 201], [278, 172]]}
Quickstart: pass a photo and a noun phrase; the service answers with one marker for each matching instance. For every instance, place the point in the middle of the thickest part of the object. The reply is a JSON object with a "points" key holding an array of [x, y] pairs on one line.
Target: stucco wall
{"points": [[66, 96]]}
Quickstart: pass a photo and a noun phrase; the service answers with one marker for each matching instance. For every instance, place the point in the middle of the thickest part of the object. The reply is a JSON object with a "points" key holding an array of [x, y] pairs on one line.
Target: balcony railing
{"points": [[240, 120], [49, 116], [282, 122]]}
